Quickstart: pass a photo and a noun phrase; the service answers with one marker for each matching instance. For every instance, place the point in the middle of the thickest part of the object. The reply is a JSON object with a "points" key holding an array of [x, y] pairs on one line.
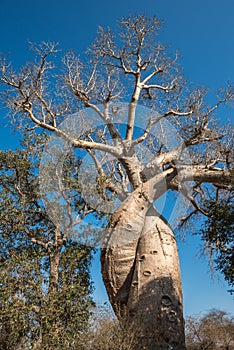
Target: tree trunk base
{"points": [[143, 283]]}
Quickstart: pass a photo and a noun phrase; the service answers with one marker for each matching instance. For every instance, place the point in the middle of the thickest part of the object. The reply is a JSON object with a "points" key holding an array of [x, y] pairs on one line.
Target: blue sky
{"points": [[202, 30]]}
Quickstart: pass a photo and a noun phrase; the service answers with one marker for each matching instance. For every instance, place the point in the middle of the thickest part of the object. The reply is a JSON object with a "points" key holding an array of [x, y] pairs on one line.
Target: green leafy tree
{"points": [[45, 279], [218, 234]]}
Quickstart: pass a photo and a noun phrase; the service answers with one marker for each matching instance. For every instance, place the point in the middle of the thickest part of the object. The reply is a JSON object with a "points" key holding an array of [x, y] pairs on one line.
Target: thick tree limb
{"points": [[202, 174]]}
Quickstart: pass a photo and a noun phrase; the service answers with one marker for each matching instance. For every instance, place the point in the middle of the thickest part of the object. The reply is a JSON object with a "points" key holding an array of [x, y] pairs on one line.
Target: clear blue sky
{"points": [[203, 31]]}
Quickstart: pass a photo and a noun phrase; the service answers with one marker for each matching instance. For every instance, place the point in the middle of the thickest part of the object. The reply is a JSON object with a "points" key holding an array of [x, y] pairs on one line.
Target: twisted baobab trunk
{"points": [[141, 273]]}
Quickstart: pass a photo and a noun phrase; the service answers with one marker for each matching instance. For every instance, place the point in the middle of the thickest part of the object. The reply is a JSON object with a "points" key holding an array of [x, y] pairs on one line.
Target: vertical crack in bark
{"points": [[133, 269], [161, 239]]}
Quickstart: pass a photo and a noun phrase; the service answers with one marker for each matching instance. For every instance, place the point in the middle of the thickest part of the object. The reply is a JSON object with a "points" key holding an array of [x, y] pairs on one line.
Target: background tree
{"points": [[45, 278], [212, 331], [218, 234], [140, 265]]}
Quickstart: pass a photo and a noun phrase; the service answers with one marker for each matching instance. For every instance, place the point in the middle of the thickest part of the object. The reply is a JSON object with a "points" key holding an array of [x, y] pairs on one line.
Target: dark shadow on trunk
{"points": [[158, 319]]}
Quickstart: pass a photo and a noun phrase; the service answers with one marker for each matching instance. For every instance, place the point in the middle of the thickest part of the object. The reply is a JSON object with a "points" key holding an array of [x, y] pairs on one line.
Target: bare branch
{"points": [[106, 181], [185, 192]]}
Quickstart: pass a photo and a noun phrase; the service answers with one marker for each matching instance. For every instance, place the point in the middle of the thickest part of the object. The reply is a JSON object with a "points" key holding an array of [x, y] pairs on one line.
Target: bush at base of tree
{"points": [[213, 331]]}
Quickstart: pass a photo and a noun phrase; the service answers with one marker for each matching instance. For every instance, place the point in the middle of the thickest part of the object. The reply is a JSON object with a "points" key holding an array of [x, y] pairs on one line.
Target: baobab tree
{"points": [[139, 257]]}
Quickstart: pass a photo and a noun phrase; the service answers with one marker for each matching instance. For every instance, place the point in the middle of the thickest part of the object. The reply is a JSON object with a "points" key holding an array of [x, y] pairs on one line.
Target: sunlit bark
{"points": [[141, 272]]}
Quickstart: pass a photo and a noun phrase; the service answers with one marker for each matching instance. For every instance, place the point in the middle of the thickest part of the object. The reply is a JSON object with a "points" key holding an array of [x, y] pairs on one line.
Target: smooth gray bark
{"points": [[141, 272]]}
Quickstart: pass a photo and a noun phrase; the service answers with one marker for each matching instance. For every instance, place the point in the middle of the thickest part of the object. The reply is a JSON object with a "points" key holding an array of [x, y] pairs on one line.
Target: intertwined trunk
{"points": [[141, 273]]}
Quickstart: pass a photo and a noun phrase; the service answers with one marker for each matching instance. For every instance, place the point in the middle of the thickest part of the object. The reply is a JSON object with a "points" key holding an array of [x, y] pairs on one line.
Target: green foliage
{"points": [[218, 235], [45, 280]]}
